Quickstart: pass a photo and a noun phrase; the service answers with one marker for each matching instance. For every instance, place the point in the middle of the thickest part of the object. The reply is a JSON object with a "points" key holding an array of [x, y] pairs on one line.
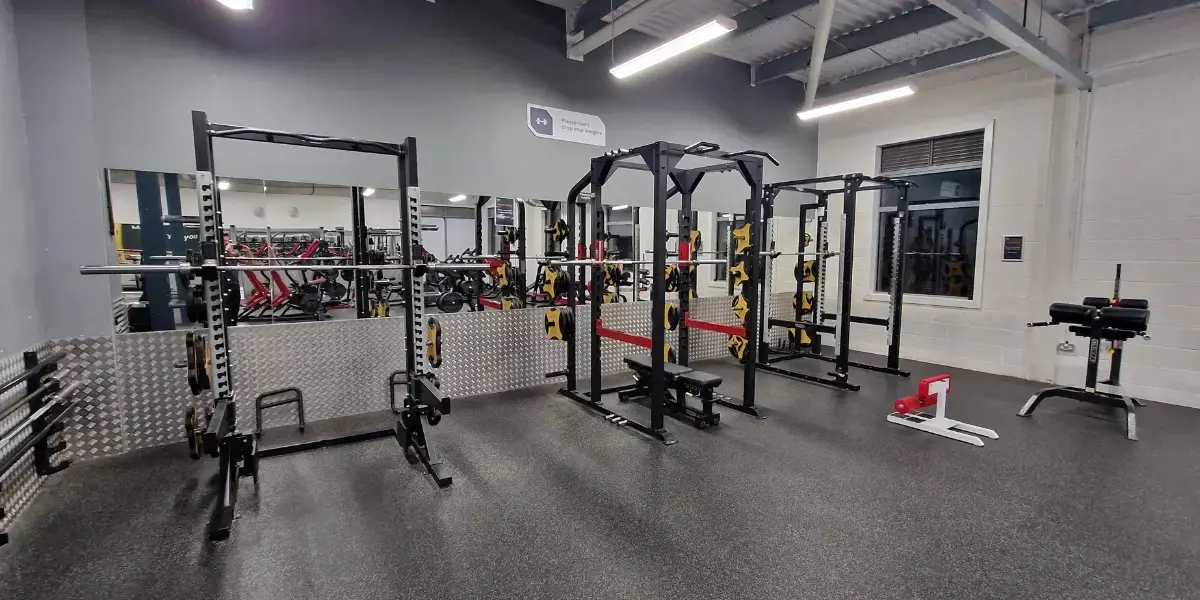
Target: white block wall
{"points": [[1141, 196], [1090, 180], [1016, 104]]}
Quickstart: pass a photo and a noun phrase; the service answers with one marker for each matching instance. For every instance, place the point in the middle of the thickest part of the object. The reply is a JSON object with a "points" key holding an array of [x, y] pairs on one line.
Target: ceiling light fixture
{"points": [[620, 207], [368, 192], [223, 185], [901, 92], [458, 198], [696, 37], [238, 4]]}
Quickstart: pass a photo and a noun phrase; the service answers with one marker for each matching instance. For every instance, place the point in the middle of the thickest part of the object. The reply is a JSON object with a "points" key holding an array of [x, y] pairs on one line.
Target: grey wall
{"points": [[110, 83], [456, 75], [20, 321], [70, 224]]}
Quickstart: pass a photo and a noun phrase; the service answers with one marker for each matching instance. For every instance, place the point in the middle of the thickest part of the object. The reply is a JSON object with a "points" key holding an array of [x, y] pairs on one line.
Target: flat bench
{"points": [[683, 381]]}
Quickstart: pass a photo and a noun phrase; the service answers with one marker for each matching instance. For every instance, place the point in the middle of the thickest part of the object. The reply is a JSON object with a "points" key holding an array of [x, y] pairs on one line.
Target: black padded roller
{"points": [[1135, 303], [1097, 302], [1072, 313], [1126, 319]]}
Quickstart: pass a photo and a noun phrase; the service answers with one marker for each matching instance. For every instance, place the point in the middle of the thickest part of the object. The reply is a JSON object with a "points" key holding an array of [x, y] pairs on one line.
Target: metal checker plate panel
{"points": [[155, 393], [21, 484], [96, 427], [342, 367]]}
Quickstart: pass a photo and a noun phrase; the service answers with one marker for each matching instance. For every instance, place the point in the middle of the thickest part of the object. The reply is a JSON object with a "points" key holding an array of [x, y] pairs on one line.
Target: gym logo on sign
{"points": [[541, 121]]}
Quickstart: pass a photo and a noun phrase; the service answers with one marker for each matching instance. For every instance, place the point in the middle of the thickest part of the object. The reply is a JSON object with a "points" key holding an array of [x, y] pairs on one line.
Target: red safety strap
{"points": [[685, 250], [621, 336], [490, 303], [717, 327]]}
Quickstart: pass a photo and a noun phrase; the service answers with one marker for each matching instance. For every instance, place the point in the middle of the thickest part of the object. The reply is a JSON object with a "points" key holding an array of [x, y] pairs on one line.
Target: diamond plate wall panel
{"points": [[154, 393], [704, 345], [21, 483], [342, 367], [496, 351], [96, 427]]}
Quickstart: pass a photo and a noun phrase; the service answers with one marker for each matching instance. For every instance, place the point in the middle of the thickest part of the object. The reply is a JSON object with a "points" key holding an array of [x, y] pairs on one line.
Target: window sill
{"points": [[923, 300]]}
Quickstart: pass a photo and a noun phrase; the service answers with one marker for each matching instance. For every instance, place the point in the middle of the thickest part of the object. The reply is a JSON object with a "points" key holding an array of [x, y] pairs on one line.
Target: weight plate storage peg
{"points": [[671, 317], [740, 276], [740, 307], [560, 324], [433, 343], [199, 362], [741, 238], [672, 278], [737, 346]]}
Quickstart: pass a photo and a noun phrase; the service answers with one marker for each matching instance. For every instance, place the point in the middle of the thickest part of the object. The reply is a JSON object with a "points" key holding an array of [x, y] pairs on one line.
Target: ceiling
{"points": [[773, 35]]}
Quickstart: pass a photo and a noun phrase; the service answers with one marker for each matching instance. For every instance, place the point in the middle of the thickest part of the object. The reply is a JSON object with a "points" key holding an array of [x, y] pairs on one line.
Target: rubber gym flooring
{"points": [[824, 499]]}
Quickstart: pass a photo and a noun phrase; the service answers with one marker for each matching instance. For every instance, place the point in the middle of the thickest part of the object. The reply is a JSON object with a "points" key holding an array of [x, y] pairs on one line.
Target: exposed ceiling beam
{"points": [[1124, 10], [909, 22], [590, 16], [936, 60], [753, 19], [824, 24], [990, 19], [617, 26]]}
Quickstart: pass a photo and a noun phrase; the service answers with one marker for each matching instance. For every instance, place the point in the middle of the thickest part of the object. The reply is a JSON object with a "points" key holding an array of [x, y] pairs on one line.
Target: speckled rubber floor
{"points": [[823, 500]]}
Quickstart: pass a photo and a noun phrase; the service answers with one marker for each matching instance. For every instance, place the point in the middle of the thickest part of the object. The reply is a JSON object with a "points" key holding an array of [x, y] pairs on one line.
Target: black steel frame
{"points": [[851, 185], [660, 159], [238, 451]]}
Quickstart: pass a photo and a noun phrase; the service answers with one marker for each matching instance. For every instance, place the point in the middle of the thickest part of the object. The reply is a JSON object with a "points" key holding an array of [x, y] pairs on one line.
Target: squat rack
{"points": [[660, 159], [851, 185], [238, 452]]}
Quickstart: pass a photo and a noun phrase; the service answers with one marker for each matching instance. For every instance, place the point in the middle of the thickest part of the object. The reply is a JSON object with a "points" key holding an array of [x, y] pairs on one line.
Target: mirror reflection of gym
{"points": [[266, 223]]}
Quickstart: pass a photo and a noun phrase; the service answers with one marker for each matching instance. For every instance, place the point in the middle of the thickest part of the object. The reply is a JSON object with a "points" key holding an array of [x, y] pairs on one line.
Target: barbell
{"points": [[587, 262], [184, 268]]}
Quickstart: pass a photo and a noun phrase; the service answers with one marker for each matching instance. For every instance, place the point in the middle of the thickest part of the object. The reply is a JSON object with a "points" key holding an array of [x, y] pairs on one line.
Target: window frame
{"points": [[985, 192]]}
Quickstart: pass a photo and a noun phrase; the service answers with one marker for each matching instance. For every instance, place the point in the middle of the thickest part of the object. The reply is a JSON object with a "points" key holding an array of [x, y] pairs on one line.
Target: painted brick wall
{"points": [[1090, 180], [1141, 197], [1017, 102]]}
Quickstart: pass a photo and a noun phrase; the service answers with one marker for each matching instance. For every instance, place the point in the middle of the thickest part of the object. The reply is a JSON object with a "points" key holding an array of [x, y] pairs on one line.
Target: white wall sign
{"points": [[564, 125]]}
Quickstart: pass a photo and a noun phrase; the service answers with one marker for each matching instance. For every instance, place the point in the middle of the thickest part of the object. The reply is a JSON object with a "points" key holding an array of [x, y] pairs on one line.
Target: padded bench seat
{"points": [[646, 362], [685, 375], [681, 382]]}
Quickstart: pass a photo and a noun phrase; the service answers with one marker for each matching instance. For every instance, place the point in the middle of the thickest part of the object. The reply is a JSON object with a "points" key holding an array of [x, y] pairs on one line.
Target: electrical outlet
{"points": [[1066, 347]]}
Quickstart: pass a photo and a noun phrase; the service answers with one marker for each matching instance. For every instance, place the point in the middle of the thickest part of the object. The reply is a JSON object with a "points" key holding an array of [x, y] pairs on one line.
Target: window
{"points": [[724, 221], [939, 247]]}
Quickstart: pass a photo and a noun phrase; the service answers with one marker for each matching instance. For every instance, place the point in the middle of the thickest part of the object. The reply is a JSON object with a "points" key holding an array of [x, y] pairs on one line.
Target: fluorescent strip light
{"points": [[620, 207], [368, 192], [897, 93], [458, 198], [238, 4], [223, 185], [696, 37]]}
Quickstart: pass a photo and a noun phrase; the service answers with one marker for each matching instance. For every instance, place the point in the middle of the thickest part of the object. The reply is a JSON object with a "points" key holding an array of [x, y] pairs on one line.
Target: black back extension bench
{"points": [[1098, 320], [683, 381]]}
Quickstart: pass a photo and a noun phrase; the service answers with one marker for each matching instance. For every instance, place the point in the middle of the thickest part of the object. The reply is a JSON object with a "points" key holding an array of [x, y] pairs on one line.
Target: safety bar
{"points": [[621, 336]]}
